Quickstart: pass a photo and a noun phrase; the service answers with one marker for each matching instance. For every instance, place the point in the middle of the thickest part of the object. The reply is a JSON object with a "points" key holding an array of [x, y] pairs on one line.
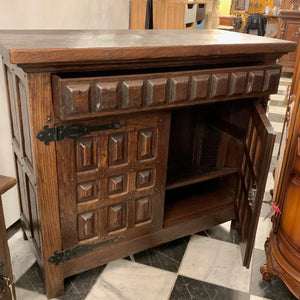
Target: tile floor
{"points": [[203, 266]]}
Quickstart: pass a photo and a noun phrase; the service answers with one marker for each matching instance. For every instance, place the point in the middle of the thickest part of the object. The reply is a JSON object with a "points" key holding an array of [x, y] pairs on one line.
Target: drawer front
{"points": [[111, 183], [76, 98]]}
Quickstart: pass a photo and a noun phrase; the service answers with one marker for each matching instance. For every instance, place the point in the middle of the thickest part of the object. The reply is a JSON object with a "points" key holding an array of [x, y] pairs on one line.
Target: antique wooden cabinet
{"points": [[128, 139], [289, 30], [283, 245]]}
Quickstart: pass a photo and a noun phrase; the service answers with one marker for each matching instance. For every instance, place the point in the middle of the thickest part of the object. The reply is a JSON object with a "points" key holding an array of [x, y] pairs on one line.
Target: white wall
{"points": [[66, 14], [48, 14]]}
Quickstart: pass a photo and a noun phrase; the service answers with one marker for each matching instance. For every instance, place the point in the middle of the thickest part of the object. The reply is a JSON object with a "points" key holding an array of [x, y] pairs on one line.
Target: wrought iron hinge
{"points": [[72, 131], [61, 256]]}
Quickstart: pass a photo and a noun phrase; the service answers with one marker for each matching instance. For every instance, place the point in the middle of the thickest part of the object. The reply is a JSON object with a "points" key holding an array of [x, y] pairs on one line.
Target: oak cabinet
{"points": [[124, 140]]}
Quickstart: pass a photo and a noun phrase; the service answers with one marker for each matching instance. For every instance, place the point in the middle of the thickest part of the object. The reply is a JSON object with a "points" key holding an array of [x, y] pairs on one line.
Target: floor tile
{"points": [[21, 254], [222, 232], [167, 256], [277, 126], [266, 206], [212, 260], [257, 298], [274, 289], [279, 110], [78, 286], [276, 97], [187, 288], [270, 182], [122, 279], [276, 117], [274, 102], [263, 230], [32, 280], [24, 294], [14, 228]]}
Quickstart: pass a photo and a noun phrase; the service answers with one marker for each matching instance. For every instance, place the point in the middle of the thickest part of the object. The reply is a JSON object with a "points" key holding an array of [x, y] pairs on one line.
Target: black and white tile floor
{"points": [[202, 266]]}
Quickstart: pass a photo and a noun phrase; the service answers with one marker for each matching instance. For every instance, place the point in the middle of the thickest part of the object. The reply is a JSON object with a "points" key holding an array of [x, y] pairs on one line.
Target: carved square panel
{"points": [[86, 157], [199, 87], [255, 81], [146, 144], [143, 209], [155, 91], [271, 81], [87, 225], [219, 84], [237, 83], [132, 92], [116, 217], [77, 98], [118, 148], [87, 191], [105, 96], [178, 89], [117, 184], [144, 178]]}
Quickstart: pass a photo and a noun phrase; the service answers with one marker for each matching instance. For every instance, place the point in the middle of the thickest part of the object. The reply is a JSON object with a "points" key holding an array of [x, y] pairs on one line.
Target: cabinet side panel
{"points": [[44, 163]]}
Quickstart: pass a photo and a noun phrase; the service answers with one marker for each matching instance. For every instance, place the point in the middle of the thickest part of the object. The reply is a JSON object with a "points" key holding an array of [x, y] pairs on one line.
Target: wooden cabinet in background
{"points": [[168, 14], [283, 245], [124, 140], [289, 30]]}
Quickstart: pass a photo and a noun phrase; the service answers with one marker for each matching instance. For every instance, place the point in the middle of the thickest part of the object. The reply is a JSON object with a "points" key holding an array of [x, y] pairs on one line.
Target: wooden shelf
{"points": [[192, 201], [181, 177]]}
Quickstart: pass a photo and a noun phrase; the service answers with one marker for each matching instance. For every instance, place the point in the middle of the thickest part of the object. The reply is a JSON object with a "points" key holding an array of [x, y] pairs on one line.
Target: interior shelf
{"points": [[199, 199], [180, 177]]}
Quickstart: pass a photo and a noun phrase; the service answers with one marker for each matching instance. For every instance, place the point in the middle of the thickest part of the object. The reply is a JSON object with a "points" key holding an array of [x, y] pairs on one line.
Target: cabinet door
{"points": [[254, 171], [111, 183]]}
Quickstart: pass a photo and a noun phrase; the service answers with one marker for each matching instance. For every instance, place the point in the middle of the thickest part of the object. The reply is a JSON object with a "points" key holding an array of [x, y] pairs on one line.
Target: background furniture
{"points": [[168, 14], [283, 245], [108, 167], [7, 289], [289, 30]]}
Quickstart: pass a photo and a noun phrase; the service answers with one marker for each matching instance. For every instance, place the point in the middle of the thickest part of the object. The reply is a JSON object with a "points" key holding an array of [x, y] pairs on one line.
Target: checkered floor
{"points": [[202, 266]]}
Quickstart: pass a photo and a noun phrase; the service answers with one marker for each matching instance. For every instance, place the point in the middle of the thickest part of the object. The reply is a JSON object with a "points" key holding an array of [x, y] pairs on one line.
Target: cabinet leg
{"points": [[25, 238], [267, 269], [266, 273], [54, 283]]}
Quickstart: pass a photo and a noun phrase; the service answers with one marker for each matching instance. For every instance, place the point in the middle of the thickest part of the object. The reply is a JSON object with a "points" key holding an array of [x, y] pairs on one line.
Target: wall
{"points": [[224, 7], [48, 14]]}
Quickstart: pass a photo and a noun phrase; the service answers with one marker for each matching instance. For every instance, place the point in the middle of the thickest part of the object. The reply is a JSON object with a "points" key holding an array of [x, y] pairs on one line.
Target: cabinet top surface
{"points": [[65, 46]]}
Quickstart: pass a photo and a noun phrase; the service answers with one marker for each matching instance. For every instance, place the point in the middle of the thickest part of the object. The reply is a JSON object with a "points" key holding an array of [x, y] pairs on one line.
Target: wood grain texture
{"points": [[183, 132], [45, 170], [6, 183], [30, 47]]}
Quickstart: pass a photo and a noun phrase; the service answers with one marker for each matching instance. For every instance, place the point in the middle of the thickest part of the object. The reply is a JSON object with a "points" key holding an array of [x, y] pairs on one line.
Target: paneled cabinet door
{"points": [[254, 171], [111, 183]]}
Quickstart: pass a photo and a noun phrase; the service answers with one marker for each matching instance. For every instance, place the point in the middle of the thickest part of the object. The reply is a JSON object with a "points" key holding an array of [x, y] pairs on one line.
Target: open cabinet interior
{"points": [[215, 163]]}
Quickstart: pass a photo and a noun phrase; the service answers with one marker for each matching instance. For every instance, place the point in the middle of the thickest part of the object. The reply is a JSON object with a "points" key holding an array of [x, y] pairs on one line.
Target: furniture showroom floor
{"points": [[175, 270]]}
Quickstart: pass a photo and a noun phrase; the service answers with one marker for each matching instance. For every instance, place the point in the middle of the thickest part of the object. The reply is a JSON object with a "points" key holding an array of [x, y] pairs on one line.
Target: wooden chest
{"points": [[124, 140]]}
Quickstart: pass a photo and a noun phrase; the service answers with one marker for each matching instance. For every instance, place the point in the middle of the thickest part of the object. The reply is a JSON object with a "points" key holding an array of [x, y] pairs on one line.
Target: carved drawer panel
{"points": [[110, 182], [77, 98]]}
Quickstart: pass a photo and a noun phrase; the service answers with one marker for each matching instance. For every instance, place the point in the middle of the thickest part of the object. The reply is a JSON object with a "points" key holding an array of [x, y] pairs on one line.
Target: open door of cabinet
{"points": [[254, 171]]}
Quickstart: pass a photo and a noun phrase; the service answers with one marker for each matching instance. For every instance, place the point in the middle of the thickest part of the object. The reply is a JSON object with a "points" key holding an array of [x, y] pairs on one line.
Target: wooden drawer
{"points": [[81, 97]]}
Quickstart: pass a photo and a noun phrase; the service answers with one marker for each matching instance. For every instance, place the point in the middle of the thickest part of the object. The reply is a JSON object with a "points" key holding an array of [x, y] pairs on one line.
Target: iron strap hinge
{"points": [[72, 131], [77, 251]]}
